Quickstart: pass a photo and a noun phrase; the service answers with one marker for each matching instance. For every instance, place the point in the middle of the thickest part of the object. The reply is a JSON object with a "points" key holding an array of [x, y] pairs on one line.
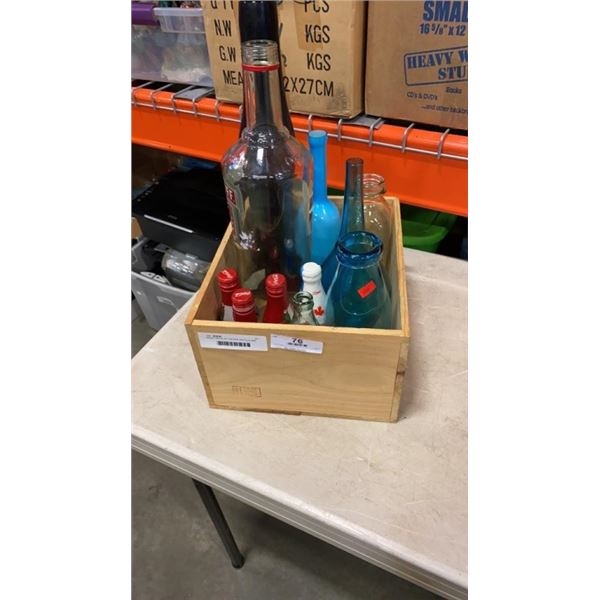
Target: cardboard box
{"points": [[417, 62], [322, 48]]}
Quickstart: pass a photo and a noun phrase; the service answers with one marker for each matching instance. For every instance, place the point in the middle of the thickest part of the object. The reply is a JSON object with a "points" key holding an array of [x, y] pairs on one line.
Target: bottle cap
{"points": [[311, 272], [228, 280], [276, 285], [242, 301]]}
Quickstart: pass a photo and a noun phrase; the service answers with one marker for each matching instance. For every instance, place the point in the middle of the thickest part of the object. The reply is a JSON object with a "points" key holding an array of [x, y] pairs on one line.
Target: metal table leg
{"points": [[216, 516]]}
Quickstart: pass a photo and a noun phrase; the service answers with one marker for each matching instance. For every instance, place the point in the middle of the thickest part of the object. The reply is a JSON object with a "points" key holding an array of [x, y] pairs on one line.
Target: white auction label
{"points": [[227, 341], [296, 344]]}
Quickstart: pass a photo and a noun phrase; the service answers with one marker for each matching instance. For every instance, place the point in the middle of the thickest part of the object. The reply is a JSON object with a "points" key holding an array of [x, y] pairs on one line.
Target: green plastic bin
{"points": [[424, 229]]}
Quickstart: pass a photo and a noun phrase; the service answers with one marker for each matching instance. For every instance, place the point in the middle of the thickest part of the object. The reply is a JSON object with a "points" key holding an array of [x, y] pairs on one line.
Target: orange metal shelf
{"points": [[431, 172]]}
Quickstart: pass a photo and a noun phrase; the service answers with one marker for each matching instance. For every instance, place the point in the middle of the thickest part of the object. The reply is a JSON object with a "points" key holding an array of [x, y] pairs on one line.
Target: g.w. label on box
{"points": [[222, 341], [296, 344]]}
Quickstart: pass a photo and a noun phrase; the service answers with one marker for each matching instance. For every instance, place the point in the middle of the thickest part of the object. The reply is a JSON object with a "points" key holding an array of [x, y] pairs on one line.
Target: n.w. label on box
{"points": [[443, 65], [229, 341]]}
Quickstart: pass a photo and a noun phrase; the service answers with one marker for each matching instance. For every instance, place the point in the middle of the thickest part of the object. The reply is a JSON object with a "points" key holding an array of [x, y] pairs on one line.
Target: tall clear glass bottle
{"points": [[352, 214], [268, 178], [258, 21], [377, 212], [359, 296]]}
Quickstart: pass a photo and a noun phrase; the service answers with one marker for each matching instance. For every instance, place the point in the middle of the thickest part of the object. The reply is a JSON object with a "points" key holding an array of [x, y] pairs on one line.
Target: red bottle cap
{"points": [[276, 285], [228, 280], [242, 301]]}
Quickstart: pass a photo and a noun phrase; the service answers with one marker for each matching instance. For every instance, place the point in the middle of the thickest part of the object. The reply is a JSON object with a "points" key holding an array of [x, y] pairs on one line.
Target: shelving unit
{"points": [[423, 168]]}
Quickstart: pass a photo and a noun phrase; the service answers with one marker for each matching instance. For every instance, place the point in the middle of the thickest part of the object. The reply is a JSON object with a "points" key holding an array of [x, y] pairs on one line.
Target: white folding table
{"points": [[392, 494]]}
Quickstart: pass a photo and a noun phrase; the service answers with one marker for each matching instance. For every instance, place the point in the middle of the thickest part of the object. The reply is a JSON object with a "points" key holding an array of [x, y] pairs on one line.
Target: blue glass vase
{"points": [[359, 296]]}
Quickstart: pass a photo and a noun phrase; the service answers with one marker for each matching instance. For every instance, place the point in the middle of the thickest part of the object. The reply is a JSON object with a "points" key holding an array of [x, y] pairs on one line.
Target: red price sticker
{"points": [[367, 289]]}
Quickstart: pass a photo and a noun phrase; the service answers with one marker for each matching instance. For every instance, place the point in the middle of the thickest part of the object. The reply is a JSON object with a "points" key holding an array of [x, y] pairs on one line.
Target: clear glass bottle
{"points": [[268, 178], [359, 296], [258, 20], [302, 305], [377, 212], [352, 214]]}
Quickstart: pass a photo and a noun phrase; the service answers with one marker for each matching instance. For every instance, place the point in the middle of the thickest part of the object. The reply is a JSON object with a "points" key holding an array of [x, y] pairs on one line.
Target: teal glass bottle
{"points": [[352, 214], [359, 296], [325, 214]]}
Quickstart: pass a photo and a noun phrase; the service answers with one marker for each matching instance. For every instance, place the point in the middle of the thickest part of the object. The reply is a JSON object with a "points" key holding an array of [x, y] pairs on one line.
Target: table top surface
{"points": [[398, 487]]}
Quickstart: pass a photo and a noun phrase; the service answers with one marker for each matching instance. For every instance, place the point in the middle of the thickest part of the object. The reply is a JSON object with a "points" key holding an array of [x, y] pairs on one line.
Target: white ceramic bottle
{"points": [[311, 282]]}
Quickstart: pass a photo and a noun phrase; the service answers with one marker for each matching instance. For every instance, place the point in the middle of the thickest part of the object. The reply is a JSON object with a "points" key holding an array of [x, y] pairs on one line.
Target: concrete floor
{"points": [[177, 554], [141, 334]]}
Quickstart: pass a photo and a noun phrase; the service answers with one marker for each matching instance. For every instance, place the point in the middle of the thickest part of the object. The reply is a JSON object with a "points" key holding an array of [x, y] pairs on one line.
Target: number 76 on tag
{"points": [[294, 344]]}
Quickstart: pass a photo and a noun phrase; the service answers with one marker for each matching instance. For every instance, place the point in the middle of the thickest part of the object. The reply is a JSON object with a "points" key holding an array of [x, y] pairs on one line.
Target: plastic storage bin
{"points": [[173, 50], [180, 20], [424, 229], [140, 260], [159, 302], [136, 311]]}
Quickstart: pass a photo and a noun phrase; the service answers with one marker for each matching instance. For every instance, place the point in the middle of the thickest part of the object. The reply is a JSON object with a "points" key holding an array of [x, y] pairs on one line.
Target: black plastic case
{"points": [[185, 210]]}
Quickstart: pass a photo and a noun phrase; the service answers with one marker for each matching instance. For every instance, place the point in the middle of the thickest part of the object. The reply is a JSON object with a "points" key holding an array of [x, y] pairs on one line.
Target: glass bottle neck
{"points": [[359, 250], [303, 305], [303, 314], [353, 215], [373, 186], [318, 143], [262, 98], [277, 300]]}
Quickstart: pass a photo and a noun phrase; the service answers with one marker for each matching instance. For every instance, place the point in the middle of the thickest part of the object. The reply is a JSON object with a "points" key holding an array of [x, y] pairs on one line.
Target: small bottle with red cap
{"points": [[228, 282], [244, 307], [277, 299]]}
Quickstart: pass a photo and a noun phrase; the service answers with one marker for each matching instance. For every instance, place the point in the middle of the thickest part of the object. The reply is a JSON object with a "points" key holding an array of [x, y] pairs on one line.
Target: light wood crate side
{"points": [[206, 305], [355, 376], [397, 267]]}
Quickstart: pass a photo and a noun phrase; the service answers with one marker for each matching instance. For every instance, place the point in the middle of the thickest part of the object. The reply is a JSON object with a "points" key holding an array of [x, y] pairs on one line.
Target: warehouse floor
{"points": [[177, 554]]}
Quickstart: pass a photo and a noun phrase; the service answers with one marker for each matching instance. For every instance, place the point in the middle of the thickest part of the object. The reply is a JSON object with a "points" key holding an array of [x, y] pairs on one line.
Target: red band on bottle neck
{"points": [[260, 68]]}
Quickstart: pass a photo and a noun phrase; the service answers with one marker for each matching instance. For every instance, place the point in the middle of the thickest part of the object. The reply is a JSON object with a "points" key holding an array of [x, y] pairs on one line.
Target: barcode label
{"points": [[234, 344], [234, 341]]}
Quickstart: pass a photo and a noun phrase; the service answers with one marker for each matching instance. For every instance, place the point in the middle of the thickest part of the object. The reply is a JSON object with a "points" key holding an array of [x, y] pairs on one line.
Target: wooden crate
{"points": [[359, 374]]}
